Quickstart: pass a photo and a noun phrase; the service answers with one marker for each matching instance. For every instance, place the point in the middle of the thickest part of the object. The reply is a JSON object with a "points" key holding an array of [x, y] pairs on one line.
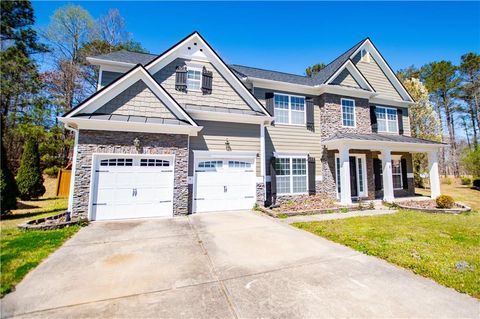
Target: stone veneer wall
{"points": [[90, 142]]}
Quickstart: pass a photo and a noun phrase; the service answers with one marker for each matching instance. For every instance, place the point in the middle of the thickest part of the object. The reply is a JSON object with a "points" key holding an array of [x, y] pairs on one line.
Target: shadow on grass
{"points": [[21, 205], [31, 214]]}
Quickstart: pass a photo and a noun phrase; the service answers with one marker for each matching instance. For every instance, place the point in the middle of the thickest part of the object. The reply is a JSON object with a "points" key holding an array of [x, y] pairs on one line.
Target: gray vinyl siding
{"points": [[108, 77], [375, 76], [137, 100], [242, 137], [223, 94], [288, 138], [345, 79]]}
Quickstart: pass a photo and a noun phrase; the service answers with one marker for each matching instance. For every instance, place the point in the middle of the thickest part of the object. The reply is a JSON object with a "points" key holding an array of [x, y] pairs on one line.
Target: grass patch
{"points": [[21, 250], [437, 246]]}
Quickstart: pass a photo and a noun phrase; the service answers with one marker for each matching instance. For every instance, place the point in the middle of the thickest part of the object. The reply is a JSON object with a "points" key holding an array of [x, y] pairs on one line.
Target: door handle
{"points": [[134, 192], [224, 189]]}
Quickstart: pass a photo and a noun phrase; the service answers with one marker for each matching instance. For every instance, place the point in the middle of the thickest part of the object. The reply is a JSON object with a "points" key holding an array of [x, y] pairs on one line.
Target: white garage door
{"points": [[133, 187], [224, 184]]}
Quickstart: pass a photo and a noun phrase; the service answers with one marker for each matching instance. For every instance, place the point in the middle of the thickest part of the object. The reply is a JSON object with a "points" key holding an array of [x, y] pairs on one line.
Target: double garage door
{"points": [[133, 187]]}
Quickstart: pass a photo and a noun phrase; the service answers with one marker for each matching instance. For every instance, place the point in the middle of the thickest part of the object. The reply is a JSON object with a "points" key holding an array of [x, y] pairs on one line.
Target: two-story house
{"points": [[183, 132]]}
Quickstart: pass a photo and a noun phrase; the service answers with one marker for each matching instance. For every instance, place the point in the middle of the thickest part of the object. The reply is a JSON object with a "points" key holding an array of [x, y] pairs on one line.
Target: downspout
{"points": [[74, 168]]}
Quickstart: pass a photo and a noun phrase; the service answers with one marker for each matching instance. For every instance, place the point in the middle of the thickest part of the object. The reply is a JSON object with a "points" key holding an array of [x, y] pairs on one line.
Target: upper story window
{"points": [[387, 119], [194, 79], [289, 109], [348, 112]]}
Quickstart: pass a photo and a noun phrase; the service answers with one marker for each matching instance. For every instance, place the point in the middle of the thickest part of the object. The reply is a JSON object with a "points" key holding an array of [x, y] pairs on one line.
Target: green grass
{"points": [[430, 245], [460, 193], [21, 250]]}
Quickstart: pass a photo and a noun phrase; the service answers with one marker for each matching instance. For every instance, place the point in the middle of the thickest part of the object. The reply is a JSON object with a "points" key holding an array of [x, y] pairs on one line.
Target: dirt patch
{"points": [[119, 259]]}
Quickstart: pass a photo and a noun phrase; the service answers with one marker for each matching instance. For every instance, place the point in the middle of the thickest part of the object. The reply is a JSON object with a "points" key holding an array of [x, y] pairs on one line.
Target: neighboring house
{"points": [[182, 132]]}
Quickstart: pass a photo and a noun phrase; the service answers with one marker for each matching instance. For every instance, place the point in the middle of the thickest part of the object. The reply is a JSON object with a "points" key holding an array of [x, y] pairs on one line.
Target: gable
{"points": [[137, 100], [223, 94], [345, 78]]}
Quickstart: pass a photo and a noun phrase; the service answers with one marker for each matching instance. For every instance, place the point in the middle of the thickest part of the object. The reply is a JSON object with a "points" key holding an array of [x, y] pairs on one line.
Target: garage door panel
{"points": [[163, 179]]}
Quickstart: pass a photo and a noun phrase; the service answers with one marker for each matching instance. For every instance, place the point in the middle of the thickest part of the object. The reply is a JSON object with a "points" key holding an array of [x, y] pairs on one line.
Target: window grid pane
{"points": [[338, 175], [299, 184], [283, 184], [360, 174], [282, 166], [348, 115]]}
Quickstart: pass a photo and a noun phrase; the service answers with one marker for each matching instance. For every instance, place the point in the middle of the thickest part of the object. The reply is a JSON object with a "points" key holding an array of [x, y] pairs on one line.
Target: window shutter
{"points": [[206, 81], [181, 78], [269, 102], [403, 162], [400, 121], [377, 170], [311, 175], [373, 119], [310, 113], [273, 181]]}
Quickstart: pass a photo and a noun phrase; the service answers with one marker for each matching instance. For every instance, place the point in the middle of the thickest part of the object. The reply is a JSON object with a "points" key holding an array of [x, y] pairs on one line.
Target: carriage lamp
{"points": [[227, 145], [136, 143]]}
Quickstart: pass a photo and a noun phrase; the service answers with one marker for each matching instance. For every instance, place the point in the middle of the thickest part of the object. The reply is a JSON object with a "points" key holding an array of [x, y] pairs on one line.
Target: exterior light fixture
{"points": [[137, 144], [227, 145]]}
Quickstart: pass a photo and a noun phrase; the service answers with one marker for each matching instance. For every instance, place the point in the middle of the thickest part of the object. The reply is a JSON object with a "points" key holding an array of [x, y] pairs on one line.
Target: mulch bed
{"points": [[430, 206], [307, 203]]}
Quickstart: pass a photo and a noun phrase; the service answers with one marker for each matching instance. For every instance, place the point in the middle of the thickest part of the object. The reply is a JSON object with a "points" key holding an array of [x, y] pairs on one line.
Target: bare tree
{"points": [[111, 28]]}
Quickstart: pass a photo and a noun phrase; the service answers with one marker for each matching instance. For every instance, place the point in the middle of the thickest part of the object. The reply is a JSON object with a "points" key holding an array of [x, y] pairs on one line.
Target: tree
{"points": [[111, 28], [8, 185], [29, 177], [442, 81], [471, 161], [470, 90], [314, 69]]}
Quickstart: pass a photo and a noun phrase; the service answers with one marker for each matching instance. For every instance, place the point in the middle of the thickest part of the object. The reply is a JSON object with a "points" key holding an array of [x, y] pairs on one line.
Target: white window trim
{"points": [[386, 118], [401, 173], [290, 109], [364, 168], [291, 173], [199, 69], [354, 112]]}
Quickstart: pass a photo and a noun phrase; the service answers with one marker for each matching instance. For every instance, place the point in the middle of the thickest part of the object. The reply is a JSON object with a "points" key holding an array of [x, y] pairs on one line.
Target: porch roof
{"points": [[381, 141]]}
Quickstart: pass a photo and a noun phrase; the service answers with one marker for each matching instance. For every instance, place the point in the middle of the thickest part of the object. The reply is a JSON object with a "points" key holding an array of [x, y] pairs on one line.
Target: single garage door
{"points": [[224, 184], [133, 187]]}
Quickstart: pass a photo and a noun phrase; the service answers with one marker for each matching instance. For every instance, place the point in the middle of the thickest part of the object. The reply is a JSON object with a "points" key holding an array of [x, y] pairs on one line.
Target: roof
{"points": [[131, 118], [381, 138], [194, 107], [246, 71]]}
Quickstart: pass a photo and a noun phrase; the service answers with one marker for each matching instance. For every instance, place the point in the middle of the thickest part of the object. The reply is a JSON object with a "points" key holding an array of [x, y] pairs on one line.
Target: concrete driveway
{"points": [[222, 265]]}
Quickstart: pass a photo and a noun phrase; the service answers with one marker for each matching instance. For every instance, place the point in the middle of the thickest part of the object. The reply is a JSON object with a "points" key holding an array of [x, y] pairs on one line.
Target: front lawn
{"points": [[21, 250], [445, 248]]}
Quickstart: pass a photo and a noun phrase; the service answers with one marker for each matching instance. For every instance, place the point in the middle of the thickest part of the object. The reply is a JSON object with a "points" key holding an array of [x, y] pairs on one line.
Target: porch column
{"points": [[387, 175], [433, 173], [345, 193]]}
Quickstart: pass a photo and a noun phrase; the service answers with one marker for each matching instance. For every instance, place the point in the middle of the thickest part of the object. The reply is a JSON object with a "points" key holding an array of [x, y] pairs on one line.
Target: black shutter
{"points": [[377, 170], [310, 113], [181, 78], [269, 102], [206, 81], [400, 121], [273, 180], [403, 162], [373, 119], [311, 175]]}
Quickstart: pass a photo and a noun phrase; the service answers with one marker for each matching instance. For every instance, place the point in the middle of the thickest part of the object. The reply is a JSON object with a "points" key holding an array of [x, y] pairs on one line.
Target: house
{"points": [[183, 132]]}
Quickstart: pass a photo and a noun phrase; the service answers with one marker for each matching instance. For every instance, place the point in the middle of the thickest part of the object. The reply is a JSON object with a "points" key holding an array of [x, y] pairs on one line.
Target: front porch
{"points": [[378, 166]]}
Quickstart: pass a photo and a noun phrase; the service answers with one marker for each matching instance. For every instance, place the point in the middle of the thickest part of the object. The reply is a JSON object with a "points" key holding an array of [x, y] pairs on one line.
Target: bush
{"points": [[465, 180], [470, 161], [445, 201], [8, 186], [29, 177], [447, 181], [476, 182], [51, 171]]}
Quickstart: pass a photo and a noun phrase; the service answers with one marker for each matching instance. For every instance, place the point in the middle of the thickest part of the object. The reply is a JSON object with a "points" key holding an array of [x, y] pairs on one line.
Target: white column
{"points": [[345, 195], [387, 175], [433, 173], [74, 170]]}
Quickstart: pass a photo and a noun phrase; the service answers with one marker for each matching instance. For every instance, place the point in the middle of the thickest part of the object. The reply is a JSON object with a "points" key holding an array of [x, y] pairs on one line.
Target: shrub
{"points": [[447, 181], [444, 201], [476, 182], [8, 186], [465, 180], [371, 205], [29, 177], [51, 171]]}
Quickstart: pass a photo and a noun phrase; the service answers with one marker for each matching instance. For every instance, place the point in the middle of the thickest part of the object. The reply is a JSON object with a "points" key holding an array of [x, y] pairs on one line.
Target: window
{"points": [[210, 164], [360, 174], [397, 174], [239, 164], [387, 119], [117, 162], [291, 175], [194, 77], [339, 189], [348, 113], [289, 109], [154, 162]]}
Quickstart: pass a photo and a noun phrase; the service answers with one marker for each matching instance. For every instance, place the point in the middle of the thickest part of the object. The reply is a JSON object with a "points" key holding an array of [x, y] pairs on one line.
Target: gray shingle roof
{"points": [[127, 57], [381, 138], [193, 107], [246, 71], [131, 118]]}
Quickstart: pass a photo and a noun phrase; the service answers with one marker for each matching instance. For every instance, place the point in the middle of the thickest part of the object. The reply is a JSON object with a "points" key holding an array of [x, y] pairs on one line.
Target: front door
{"points": [[353, 176]]}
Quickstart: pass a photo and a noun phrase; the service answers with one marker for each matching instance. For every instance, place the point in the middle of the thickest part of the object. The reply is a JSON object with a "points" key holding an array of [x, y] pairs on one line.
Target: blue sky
{"points": [[288, 36]]}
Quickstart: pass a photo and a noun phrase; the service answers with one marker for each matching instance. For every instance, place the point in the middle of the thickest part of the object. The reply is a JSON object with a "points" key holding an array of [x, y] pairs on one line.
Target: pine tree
{"points": [[8, 185], [29, 177]]}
